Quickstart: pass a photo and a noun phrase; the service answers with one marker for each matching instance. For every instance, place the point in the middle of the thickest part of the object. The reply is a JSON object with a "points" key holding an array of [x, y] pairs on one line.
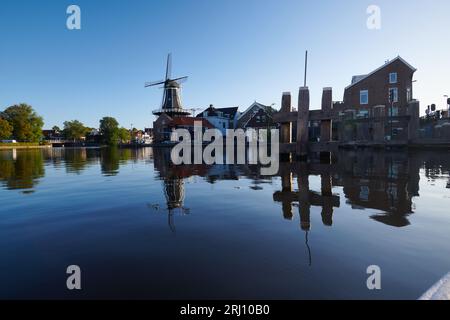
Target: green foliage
{"points": [[74, 130], [109, 129], [124, 135], [26, 123], [56, 129], [5, 129]]}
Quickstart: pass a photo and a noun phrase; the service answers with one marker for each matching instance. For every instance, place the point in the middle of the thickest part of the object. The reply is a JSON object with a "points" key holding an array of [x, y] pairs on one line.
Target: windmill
{"points": [[171, 102]]}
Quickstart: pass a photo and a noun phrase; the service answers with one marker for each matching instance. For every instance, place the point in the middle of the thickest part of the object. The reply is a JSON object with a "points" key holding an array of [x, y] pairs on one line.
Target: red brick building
{"points": [[367, 112], [373, 89], [165, 125]]}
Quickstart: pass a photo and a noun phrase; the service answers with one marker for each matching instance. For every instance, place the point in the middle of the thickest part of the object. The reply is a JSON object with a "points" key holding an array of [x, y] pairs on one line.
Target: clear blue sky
{"points": [[234, 51]]}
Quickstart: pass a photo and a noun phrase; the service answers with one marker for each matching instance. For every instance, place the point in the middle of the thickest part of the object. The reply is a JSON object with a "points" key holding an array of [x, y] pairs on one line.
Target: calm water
{"points": [[141, 228]]}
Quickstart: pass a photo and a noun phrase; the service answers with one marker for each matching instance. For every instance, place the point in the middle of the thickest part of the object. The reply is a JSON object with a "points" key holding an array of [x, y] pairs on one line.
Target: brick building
{"points": [[367, 112], [165, 125]]}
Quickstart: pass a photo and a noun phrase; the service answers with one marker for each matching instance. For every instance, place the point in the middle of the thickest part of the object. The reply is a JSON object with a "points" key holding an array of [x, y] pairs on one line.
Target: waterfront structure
{"points": [[378, 110], [221, 118], [52, 136], [435, 127], [94, 137], [142, 136]]}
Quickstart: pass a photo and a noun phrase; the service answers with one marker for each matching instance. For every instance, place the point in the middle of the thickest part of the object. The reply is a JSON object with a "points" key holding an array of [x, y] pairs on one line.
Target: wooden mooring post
{"points": [[301, 118]]}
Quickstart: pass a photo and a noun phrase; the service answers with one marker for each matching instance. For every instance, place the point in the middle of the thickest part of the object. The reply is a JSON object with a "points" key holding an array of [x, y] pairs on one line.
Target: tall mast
{"points": [[306, 67]]}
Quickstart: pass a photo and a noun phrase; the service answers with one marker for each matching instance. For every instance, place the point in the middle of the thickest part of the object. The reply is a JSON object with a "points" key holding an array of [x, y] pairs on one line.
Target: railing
{"points": [[171, 110]]}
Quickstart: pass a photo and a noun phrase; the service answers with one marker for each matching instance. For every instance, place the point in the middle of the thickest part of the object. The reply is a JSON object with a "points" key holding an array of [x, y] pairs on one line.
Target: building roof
{"points": [[248, 114], [357, 79], [189, 122], [226, 112]]}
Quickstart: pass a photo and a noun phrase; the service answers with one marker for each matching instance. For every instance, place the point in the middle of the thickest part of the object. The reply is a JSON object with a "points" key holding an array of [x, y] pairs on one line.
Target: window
{"points": [[393, 77], [393, 92], [363, 114], [408, 94], [393, 112], [364, 97]]}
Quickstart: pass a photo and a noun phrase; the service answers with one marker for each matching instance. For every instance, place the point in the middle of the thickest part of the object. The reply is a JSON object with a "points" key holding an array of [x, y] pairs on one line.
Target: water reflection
{"points": [[385, 182], [118, 204], [21, 170]]}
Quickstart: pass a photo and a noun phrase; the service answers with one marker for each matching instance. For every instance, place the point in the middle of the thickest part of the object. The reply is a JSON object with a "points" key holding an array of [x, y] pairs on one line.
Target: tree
{"points": [[27, 124], [5, 129], [56, 129], [124, 135], [74, 130], [109, 129]]}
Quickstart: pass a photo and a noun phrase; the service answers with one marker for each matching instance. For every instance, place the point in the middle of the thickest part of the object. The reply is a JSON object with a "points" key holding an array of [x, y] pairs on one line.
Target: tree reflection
{"points": [[111, 159], [21, 169], [75, 160]]}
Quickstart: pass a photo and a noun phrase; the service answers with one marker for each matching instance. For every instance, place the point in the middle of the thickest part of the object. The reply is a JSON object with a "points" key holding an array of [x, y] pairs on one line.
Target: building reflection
{"points": [[384, 182], [304, 198]]}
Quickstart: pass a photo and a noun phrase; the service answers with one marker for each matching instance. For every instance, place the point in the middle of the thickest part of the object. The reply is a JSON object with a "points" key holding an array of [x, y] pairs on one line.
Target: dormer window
{"points": [[393, 77]]}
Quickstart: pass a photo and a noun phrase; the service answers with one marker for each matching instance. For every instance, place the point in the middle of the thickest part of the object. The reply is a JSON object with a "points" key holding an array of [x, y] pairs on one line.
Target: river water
{"points": [[139, 227]]}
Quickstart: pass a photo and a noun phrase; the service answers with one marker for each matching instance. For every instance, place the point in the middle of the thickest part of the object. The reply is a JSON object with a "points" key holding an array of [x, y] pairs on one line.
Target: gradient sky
{"points": [[234, 52]]}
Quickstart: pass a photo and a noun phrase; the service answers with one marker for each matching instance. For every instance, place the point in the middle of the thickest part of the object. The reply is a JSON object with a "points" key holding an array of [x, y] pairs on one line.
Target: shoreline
{"points": [[24, 147], [414, 146]]}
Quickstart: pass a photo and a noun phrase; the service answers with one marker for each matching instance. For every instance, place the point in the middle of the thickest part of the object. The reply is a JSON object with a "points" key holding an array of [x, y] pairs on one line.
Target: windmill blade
{"points": [[181, 80], [169, 66], [163, 98], [154, 83]]}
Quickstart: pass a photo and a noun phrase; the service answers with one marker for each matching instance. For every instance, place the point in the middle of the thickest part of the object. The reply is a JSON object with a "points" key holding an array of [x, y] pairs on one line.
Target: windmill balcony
{"points": [[171, 110]]}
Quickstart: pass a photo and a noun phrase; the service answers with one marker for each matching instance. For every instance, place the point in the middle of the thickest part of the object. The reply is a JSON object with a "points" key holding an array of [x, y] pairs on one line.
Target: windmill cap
{"points": [[172, 84]]}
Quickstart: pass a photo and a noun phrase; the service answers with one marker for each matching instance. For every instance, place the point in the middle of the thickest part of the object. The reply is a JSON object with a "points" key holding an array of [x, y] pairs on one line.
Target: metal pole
{"points": [[392, 113], [306, 67]]}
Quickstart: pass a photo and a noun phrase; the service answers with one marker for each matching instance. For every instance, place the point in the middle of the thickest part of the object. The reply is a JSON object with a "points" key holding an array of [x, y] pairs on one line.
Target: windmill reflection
{"points": [[173, 183], [174, 193]]}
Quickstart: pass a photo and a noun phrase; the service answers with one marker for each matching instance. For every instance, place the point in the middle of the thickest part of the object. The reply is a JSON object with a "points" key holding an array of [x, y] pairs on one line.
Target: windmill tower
{"points": [[171, 102]]}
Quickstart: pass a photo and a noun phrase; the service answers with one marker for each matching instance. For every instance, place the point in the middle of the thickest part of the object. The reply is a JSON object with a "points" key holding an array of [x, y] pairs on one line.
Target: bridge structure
{"points": [[287, 118]]}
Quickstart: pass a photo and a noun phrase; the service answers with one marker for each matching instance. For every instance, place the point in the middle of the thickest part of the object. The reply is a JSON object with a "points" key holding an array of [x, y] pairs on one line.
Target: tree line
{"points": [[22, 123]]}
